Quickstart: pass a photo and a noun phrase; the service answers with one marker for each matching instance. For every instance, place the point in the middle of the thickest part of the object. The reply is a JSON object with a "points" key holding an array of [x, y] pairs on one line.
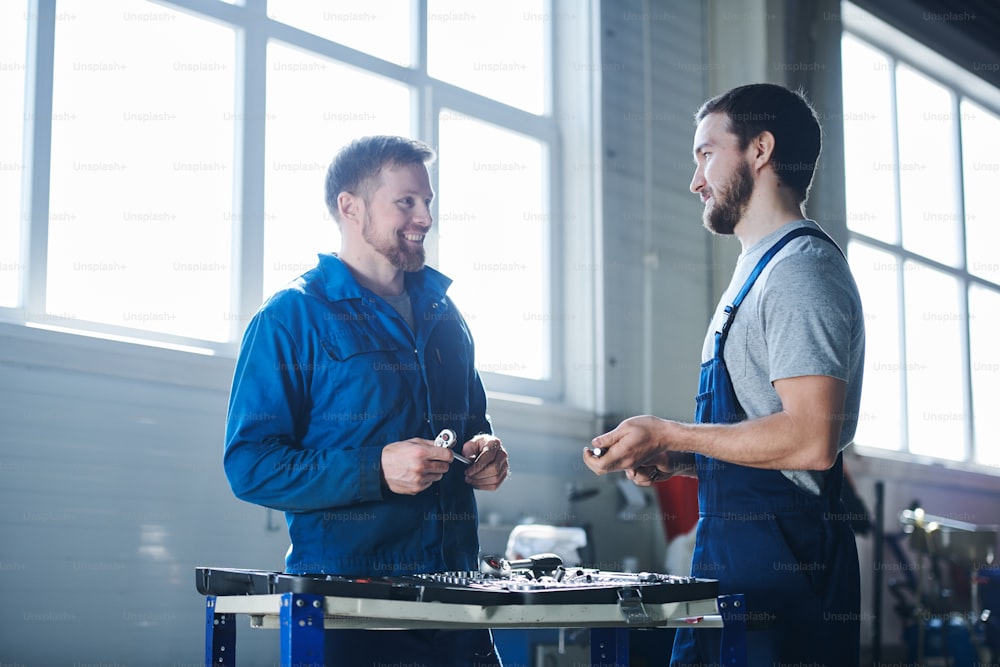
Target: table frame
{"points": [[301, 619]]}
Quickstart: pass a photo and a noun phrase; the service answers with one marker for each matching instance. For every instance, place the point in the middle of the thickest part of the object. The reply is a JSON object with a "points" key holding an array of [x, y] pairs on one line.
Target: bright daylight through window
{"points": [[190, 140], [922, 155]]}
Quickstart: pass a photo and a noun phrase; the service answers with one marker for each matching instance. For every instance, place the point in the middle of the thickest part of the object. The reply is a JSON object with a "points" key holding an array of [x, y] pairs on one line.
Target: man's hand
{"points": [[635, 444], [411, 466], [668, 465], [490, 468], [648, 475], [639, 446]]}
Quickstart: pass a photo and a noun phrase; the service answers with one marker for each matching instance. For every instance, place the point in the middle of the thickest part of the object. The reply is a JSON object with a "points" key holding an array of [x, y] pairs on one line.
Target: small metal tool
{"points": [[447, 439], [539, 564]]}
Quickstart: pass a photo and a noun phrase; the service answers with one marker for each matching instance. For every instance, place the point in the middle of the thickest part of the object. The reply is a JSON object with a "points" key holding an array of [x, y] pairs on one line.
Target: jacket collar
{"points": [[339, 283]]}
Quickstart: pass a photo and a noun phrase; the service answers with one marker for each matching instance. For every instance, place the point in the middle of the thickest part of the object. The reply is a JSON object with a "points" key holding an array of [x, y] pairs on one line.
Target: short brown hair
{"points": [[357, 164], [787, 115]]}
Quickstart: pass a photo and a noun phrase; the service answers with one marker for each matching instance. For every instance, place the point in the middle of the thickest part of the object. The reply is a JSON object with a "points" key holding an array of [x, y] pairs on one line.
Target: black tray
{"points": [[574, 586]]}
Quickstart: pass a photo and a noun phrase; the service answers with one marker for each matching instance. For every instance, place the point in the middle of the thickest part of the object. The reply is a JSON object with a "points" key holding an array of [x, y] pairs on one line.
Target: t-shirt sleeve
{"points": [[807, 311]]}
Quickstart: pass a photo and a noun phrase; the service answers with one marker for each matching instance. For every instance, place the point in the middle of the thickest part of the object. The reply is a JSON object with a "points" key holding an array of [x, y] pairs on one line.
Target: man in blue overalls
{"points": [[778, 397]]}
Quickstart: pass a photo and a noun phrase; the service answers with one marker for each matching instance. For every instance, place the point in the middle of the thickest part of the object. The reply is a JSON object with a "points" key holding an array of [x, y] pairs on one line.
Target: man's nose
{"points": [[697, 181], [422, 216]]}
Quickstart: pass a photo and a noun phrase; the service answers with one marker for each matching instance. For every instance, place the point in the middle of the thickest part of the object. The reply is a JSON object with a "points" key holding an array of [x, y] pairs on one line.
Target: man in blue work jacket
{"points": [[344, 378], [778, 398]]}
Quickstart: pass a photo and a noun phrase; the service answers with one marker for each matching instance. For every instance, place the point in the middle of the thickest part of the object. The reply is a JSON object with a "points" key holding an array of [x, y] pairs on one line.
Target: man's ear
{"points": [[762, 149], [350, 206]]}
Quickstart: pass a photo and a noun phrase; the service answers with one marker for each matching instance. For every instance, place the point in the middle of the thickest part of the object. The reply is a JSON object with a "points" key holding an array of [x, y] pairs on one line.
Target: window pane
{"points": [[984, 322], [928, 167], [383, 28], [13, 47], [869, 159], [934, 326], [496, 49], [981, 171], [308, 119], [142, 168], [493, 224], [877, 275]]}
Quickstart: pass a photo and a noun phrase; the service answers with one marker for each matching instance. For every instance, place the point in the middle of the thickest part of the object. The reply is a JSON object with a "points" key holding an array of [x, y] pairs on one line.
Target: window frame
{"points": [[962, 85], [254, 30]]}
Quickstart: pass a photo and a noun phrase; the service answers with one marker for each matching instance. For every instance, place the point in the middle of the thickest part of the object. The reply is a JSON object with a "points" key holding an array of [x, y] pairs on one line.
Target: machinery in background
{"points": [[949, 599]]}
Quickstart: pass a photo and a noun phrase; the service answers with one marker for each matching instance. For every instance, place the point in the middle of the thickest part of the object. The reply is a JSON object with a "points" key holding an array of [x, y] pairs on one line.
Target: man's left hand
{"points": [[635, 444], [490, 467]]}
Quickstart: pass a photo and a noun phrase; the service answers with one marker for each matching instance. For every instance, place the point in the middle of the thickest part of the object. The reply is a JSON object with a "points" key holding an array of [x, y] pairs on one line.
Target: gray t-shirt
{"points": [[402, 305], [803, 316]]}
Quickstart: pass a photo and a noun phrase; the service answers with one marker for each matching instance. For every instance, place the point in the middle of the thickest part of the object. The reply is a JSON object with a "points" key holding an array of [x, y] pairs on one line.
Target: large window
{"points": [[922, 148], [141, 174], [13, 38], [174, 154]]}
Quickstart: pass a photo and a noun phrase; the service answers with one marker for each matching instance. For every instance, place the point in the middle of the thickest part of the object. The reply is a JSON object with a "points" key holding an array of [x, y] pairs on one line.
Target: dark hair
{"points": [[784, 113], [359, 163]]}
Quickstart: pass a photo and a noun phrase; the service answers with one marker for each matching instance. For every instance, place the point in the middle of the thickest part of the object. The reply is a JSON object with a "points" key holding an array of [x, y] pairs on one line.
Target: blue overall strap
{"points": [[768, 256]]}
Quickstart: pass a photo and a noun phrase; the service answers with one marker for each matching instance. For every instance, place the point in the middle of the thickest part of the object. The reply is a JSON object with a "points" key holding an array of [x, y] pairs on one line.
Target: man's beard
{"points": [[729, 205], [404, 259]]}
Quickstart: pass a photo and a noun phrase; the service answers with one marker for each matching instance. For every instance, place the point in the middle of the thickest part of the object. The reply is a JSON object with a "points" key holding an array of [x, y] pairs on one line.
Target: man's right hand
{"points": [[411, 466]]}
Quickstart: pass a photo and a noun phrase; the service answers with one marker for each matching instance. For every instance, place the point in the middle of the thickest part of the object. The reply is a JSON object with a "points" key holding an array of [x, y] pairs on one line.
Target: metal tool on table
{"points": [[608, 604], [539, 565]]}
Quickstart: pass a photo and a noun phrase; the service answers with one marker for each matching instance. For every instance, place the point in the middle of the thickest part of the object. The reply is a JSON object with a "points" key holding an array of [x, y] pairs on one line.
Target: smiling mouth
{"points": [[413, 238]]}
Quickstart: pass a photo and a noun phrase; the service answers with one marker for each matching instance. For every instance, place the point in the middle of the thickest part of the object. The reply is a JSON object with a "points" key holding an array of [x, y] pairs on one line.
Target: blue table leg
{"points": [[220, 637], [609, 646], [301, 630], [733, 646]]}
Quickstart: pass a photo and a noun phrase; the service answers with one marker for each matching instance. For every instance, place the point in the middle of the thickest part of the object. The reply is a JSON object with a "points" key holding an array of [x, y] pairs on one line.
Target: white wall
{"points": [[112, 491]]}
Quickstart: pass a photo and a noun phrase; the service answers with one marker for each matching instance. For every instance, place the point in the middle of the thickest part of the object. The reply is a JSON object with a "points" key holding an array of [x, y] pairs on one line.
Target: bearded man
{"points": [[778, 397], [343, 379]]}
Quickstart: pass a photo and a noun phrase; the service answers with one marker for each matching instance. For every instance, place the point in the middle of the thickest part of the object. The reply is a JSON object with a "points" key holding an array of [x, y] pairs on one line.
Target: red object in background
{"points": [[678, 498]]}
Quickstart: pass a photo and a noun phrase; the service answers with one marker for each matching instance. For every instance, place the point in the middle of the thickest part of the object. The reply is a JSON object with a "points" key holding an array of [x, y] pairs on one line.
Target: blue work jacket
{"points": [[328, 374]]}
